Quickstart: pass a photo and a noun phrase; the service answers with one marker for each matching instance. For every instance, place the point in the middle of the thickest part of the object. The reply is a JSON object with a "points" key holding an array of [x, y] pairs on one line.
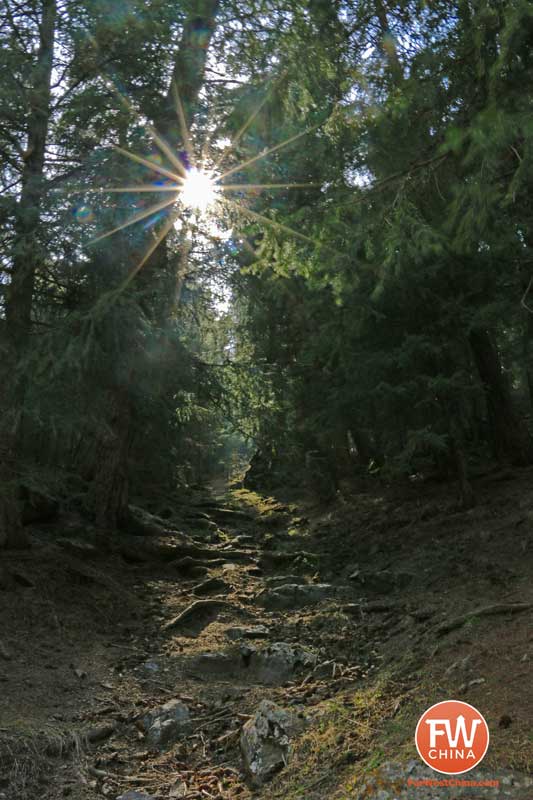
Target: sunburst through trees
{"points": [[196, 185]]}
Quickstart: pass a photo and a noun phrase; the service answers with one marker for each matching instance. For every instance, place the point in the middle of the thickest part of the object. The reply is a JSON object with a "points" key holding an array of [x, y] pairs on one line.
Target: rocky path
{"points": [[240, 659]]}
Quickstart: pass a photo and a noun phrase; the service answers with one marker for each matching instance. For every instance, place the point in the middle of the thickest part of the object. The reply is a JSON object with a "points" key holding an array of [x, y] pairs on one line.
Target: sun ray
{"points": [[164, 147], [158, 139], [128, 189], [242, 130], [183, 123], [245, 187], [147, 163], [136, 218], [268, 152], [165, 230], [276, 225]]}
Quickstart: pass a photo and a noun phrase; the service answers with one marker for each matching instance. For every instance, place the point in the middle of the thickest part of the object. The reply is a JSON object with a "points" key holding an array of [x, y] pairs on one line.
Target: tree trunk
{"points": [[189, 69], [511, 440], [527, 328], [108, 497], [457, 450], [19, 294], [388, 44], [12, 533], [26, 255]]}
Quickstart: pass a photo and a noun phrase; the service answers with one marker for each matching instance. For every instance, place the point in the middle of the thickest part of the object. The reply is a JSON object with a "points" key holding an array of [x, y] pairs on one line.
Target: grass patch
{"points": [[344, 743]]}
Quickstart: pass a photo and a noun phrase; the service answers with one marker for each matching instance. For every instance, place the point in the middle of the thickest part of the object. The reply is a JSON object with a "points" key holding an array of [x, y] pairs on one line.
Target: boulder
{"points": [[165, 724], [272, 665], [265, 741]]}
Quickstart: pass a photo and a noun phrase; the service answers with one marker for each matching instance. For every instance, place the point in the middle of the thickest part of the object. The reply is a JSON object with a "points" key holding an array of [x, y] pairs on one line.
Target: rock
{"points": [[79, 673], [280, 580], [272, 665], [244, 539], [280, 558], [133, 795], [294, 595], [166, 723], [279, 662], [265, 741], [196, 612], [195, 566], [254, 632], [381, 582], [215, 665], [211, 585]]}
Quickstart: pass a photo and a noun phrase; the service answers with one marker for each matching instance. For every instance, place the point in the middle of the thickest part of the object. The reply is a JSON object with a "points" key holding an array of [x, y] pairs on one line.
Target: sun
{"points": [[199, 190], [186, 182]]}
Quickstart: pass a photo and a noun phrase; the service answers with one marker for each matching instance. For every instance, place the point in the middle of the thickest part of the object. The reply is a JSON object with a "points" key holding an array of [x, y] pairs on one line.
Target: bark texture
{"points": [[511, 440]]}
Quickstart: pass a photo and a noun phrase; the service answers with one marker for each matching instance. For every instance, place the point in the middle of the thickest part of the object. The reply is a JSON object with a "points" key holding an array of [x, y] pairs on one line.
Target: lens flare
{"points": [[199, 190]]}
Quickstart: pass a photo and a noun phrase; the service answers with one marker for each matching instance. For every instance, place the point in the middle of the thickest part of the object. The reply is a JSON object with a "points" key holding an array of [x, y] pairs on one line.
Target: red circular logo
{"points": [[452, 737]]}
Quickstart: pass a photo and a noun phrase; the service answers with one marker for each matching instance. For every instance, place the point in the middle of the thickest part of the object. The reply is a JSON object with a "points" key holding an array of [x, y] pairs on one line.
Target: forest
{"points": [[266, 321]]}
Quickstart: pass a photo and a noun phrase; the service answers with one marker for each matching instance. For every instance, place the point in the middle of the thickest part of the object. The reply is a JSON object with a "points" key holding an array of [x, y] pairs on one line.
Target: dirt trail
{"points": [[354, 619]]}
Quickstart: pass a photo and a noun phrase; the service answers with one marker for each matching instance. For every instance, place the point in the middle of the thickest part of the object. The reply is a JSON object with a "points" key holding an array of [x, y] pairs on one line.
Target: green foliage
{"points": [[354, 297]]}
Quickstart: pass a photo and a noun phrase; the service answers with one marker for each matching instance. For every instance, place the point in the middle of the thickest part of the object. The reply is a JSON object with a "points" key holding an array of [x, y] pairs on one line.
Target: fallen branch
{"points": [[63, 744], [486, 611]]}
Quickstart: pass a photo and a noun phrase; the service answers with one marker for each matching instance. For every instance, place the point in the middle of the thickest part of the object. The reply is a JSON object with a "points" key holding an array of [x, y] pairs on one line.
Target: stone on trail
{"points": [[294, 595], [211, 585], [266, 741], [253, 632], [272, 665], [165, 724], [280, 661], [281, 580], [197, 610]]}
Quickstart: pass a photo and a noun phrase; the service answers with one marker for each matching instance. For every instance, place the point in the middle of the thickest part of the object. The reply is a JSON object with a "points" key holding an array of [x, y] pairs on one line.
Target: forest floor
{"points": [[90, 643]]}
